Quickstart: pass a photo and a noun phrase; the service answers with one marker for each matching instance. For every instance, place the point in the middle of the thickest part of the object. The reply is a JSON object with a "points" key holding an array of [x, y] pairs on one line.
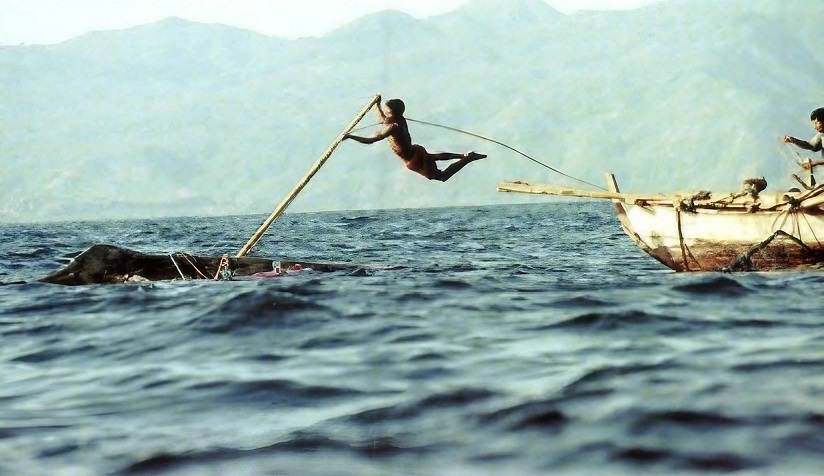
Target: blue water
{"points": [[520, 340]]}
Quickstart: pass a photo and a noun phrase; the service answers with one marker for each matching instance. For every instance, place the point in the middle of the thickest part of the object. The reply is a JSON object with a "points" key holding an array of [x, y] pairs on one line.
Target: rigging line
{"points": [[366, 127], [178, 267], [788, 212], [789, 152], [186, 257], [508, 147], [804, 215]]}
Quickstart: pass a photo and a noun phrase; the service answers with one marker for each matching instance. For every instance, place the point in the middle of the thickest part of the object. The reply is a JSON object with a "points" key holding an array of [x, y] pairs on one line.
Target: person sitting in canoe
{"points": [[415, 156], [815, 144]]}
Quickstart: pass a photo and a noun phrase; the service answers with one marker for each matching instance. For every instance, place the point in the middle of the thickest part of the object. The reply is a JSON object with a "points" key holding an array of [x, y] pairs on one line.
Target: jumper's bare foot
{"points": [[472, 155]]}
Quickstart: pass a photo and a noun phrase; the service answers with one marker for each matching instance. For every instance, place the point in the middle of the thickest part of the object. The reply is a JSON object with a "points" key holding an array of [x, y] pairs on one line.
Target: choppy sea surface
{"points": [[520, 340]]}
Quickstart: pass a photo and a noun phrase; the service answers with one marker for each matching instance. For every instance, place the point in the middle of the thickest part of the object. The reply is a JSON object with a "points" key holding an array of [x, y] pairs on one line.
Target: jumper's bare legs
{"points": [[454, 156], [447, 173]]}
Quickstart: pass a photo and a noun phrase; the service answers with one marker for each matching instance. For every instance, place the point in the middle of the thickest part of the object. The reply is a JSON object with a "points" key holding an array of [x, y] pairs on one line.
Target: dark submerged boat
{"points": [[107, 264]]}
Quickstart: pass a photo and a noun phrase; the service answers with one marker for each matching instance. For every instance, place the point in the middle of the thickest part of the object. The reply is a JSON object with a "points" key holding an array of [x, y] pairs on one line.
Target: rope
{"points": [[785, 150], [178, 267], [744, 262], [796, 226], [681, 239], [789, 152], [186, 257], [366, 127], [223, 271], [508, 147], [804, 215]]}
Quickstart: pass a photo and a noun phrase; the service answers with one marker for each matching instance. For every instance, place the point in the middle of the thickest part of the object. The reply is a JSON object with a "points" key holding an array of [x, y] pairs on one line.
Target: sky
{"points": [[54, 21]]}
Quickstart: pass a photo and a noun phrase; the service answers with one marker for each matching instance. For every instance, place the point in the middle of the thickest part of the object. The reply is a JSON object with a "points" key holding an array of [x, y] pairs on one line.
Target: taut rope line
{"points": [[508, 147]]}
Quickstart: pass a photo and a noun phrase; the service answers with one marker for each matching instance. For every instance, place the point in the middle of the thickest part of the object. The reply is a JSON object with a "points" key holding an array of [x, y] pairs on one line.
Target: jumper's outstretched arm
{"points": [[802, 144], [379, 109], [383, 134]]}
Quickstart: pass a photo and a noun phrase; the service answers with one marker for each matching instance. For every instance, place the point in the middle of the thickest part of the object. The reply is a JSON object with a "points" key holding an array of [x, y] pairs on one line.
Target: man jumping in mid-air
{"points": [[417, 159]]}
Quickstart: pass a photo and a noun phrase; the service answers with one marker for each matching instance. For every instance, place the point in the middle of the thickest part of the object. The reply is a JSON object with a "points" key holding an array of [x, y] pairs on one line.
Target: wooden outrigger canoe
{"points": [[702, 231]]}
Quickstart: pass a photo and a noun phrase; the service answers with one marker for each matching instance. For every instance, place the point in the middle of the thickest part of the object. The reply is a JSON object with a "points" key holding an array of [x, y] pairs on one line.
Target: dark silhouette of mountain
{"points": [[183, 118]]}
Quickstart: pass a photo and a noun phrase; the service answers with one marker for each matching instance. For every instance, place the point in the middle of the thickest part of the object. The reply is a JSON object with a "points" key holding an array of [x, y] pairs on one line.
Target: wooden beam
{"points": [[544, 189], [612, 184], [813, 198], [305, 180], [813, 202]]}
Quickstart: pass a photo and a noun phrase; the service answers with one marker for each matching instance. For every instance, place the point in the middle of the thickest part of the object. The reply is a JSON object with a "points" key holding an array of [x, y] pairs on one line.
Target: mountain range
{"points": [[182, 118]]}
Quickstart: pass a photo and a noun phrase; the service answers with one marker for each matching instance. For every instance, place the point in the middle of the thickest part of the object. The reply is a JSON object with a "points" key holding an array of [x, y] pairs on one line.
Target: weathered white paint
{"points": [[658, 226]]}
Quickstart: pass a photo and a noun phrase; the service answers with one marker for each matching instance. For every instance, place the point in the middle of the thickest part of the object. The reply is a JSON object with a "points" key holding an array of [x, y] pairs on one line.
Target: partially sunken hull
{"points": [[740, 231], [106, 264]]}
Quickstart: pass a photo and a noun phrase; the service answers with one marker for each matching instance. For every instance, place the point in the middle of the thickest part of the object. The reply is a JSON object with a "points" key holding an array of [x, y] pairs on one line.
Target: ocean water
{"points": [[521, 340]]}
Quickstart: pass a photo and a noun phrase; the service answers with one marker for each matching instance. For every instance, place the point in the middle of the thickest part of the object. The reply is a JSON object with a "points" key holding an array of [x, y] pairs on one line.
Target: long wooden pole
{"points": [[544, 189], [305, 180]]}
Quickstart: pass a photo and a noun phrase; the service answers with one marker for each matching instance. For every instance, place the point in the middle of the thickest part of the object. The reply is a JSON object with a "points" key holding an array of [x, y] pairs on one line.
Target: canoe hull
{"points": [[713, 240]]}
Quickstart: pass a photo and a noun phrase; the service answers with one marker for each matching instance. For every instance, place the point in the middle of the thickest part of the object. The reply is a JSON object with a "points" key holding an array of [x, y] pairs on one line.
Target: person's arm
{"points": [[811, 163], [817, 142], [801, 143], [379, 110], [797, 142], [386, 132]]}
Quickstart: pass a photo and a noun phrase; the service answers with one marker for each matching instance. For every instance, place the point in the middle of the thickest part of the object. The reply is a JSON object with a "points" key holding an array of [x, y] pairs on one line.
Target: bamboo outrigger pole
{"points": [[305, 180], [544, 189]]}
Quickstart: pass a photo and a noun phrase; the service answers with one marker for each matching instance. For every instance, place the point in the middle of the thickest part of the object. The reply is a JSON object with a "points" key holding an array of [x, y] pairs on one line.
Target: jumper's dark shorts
{"points": [[421, 162]]}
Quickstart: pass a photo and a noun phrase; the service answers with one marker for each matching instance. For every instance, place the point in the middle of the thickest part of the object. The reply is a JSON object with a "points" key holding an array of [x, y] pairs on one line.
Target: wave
{"points": [[651, 420], [11, 431], [262, 308], [46, 355], [271, 391], [30, 253], [303, 442], [601, 381], [624, 320], [674, 461], [581, 301], [459, 398], [12, 283], [780, 365], [541, 414], [452, 283], [21, 328], [358, 219], [715, 285], [338, 340]]}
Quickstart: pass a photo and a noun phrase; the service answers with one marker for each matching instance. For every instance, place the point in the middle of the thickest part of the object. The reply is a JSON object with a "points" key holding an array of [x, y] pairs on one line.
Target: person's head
{"points": [[396, 106], [817, 117]]}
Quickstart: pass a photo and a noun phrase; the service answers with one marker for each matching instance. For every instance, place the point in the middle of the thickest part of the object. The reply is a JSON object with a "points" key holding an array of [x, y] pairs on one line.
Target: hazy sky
{"points": [[53, 21]]}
